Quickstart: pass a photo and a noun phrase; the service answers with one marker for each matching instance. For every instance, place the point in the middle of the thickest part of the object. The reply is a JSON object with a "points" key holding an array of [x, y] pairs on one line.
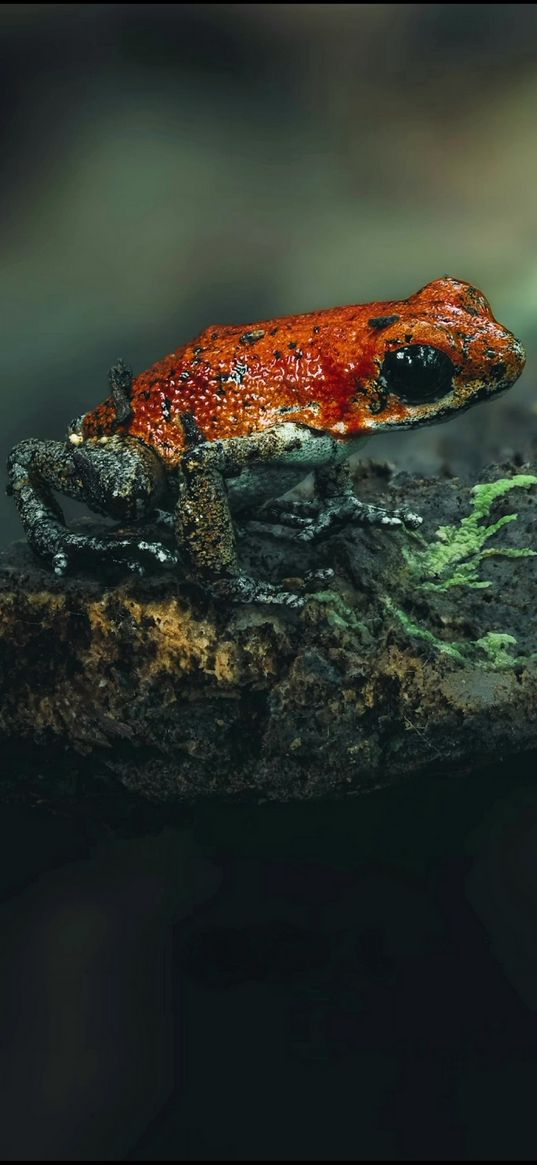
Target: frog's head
{"points": [[433, 355]]}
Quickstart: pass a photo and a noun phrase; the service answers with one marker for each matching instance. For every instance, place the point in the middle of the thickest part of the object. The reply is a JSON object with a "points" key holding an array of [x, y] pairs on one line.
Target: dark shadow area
{"points": [[336, 980]]}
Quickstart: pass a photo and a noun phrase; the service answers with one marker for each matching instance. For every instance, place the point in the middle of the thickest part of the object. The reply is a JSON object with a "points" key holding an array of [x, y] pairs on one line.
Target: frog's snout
{"points": [[519, 355], [508, 364]]}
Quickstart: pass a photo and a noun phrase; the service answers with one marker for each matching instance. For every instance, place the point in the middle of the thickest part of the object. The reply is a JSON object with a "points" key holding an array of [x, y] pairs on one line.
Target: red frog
{"points": [[231, 421]]}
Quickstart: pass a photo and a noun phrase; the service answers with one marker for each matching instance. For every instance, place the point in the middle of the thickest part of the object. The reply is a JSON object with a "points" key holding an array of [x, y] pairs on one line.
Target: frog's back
{"points": [[235, 380]]}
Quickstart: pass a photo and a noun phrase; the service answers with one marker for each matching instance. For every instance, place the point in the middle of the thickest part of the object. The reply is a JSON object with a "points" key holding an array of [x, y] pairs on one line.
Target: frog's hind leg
{"points": [[38, 468]]}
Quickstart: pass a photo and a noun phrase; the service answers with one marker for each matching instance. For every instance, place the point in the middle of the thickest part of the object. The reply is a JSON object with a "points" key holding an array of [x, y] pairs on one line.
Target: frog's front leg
{"points": [[204, 527], [119, 478], [204, 522]]}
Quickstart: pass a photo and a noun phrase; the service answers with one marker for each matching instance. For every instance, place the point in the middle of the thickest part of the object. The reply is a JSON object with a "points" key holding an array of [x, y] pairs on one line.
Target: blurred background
{"points": [[350, 981], [167, 166]]}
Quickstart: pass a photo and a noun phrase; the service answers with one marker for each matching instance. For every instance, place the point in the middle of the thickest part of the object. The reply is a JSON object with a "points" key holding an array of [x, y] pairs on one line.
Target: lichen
{"points": [[456, 556]]}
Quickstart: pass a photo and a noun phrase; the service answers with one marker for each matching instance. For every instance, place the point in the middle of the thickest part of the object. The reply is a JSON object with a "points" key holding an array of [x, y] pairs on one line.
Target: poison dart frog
{"points": [[230, 422]]}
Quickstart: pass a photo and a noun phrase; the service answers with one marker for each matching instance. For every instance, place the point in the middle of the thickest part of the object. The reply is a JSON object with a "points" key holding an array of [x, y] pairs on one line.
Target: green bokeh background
{"points": [[169, 166]]}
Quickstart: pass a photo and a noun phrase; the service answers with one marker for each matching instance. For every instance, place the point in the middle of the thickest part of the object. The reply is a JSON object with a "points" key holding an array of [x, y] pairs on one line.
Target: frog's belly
{"points": [[261, 481]]}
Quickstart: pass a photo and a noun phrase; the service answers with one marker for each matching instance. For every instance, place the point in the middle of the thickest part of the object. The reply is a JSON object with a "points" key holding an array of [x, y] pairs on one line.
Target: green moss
{"points": [[456, 556], [418, 632], [454, 560], [495, 645], [338, 613]]}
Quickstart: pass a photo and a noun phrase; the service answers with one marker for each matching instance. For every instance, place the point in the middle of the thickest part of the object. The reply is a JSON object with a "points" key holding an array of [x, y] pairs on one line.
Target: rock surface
{"points": [[421, 656]]}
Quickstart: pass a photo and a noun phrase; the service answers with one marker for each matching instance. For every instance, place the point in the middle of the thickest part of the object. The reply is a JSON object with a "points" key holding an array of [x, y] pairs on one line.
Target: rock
{"points": [[421, 656]]}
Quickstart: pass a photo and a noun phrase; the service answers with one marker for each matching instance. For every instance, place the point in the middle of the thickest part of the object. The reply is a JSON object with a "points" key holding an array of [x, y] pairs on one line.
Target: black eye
{"points": [[417, 373]]}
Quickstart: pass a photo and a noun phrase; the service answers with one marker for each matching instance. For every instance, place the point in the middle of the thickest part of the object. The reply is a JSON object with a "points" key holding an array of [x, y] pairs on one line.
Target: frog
{"points": [[219, 432]]}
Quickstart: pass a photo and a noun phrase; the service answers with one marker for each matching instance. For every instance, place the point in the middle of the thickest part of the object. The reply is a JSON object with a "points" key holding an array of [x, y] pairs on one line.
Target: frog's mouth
{"points": [[445, 409]]}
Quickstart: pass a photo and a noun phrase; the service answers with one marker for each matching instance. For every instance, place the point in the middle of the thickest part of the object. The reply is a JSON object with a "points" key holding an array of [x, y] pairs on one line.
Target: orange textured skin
{"points": [[320, 369]]}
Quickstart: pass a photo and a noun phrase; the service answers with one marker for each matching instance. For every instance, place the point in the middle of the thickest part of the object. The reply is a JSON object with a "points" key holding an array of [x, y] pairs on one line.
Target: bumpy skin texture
{"points": [[242, 413], [321, 369]]}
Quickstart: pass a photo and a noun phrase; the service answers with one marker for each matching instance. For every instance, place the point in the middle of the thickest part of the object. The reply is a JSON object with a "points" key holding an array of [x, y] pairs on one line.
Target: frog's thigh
{"points": [[35, 469]]}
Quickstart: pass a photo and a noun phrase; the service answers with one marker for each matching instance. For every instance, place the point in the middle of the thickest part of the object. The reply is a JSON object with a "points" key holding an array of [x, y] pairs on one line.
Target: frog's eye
{"points": [[417, 373]]}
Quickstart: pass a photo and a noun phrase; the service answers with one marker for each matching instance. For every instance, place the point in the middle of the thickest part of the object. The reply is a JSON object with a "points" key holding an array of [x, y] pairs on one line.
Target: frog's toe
{"points": [[60, 563], [154, 554], [384, 519], [288, 511], [296, 521], [405, 518], [411, 520], [323, 575]]}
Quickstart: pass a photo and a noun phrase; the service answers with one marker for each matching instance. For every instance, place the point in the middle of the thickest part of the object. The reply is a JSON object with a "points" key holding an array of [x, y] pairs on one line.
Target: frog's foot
{"points": [[348, 508], [336, 512], [241, 588], [69, 552]]}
